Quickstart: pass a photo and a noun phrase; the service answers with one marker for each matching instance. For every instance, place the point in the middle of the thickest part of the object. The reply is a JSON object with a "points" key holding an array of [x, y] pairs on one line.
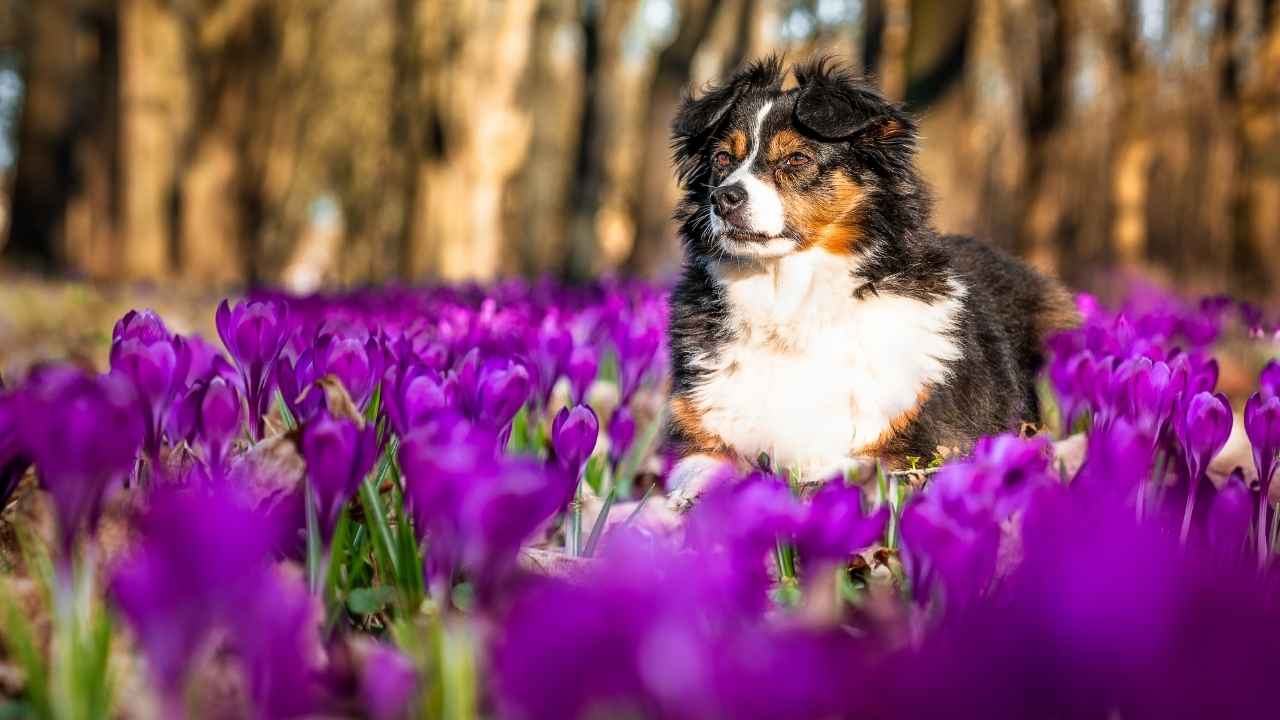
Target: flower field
{"points": [[448, 503]]}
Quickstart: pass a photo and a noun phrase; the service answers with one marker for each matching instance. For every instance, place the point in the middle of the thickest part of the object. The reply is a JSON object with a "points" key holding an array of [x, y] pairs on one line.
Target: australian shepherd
{"points": [[819, 318]]}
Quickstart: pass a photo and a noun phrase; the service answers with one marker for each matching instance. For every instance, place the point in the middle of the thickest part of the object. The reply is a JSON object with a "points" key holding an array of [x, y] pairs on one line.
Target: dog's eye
{"points": [[722, 160], [798, 160]]}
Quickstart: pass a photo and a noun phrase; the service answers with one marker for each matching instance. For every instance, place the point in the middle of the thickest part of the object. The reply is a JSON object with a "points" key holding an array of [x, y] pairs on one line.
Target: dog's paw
{"points": [[691, 477]]}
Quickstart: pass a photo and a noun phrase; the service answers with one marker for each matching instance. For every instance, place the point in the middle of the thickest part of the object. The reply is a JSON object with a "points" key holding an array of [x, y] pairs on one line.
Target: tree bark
{"points": [[477, 134], [45, 177], [656, 251]]}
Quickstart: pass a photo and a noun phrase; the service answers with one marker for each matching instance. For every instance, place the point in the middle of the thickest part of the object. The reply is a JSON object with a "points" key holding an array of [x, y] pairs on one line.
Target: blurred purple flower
{"points": [[573, 436], [339, 454], [476, 507], [254, 333], [157, 363], [209, 415], [735, 525], [583, 366], [359, 365], [1153, 392], [834, 525], [64, 412], [551, 346], [1228, 521], [950, 546], [636, 344], [1262, 425], [276, 636], [413, 393], [388, 684], [201, 559], [492, 391], [1269, 379], [1002, 474], [1116, 465], [1203, 431], [622, 434]]}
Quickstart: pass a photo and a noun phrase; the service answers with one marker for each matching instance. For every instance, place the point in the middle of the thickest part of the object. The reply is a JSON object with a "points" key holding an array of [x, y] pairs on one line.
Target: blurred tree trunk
{"points": [[408, 125], [46, 176], [92, 232], [155, 97], [1256, 59], [593, 193], [552, 93], [230, 54], [476, 134], [656, 250]]}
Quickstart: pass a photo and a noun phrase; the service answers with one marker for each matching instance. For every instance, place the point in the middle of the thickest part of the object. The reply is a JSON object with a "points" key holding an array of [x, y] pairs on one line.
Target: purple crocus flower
{"points": [[636, 344], [1269, 379], [552, 346], [254, 333], [413, 393], [13, 459], [339, 454], [582, 368], [209, 415], [279, 648], [357, 365], [64, 413], [835, 526], [1118, 461], [388, 684], [1153, 391], [157, 363], [734, 526], [950, 544], [622, 434], [1002, 474], [1203, 431], [476, 507], [201, 559], [492, 391], [1262, 425], [573, 436], [1228, 521]]}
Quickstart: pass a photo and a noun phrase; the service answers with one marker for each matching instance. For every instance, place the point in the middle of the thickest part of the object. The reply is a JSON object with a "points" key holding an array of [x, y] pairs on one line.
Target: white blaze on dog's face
{"points": [[747, 215]]}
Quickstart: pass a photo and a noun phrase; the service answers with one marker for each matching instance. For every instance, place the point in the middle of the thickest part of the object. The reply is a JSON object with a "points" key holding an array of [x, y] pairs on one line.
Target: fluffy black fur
{"points": [[1008, 308]]}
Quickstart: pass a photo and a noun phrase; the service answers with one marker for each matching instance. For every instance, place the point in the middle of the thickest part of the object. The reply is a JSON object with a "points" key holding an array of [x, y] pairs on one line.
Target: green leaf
{"points": [[375, 405], [594, 473], [19, 638], [597, 529], [384, 544], [369, 600], [518, 443], [290, 421], [313, 540]]}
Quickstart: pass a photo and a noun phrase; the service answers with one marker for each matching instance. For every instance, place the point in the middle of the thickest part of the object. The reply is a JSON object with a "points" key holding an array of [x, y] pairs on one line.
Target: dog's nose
{"points": [[729, 198]]}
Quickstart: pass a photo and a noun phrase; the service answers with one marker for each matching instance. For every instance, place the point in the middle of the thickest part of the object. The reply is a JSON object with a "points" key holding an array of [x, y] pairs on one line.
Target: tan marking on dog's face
{"points": [[825, 214], [784, 143], [735, 143], [688, 420]]}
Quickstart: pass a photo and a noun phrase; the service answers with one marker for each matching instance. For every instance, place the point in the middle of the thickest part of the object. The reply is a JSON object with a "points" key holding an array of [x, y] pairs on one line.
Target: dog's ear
{"points": [[698, 119], [835, 106]]}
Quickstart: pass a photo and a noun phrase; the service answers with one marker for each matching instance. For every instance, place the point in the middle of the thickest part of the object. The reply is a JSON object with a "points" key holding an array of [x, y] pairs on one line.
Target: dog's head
{"points": [[768, 172]]}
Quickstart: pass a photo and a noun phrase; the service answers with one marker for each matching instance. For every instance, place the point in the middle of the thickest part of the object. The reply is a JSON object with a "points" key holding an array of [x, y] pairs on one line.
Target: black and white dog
{"points": [[820, 319]]}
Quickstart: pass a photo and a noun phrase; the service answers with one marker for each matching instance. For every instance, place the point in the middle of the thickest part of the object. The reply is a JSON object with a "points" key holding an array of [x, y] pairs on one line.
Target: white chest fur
{"points": [[815, 376]]}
